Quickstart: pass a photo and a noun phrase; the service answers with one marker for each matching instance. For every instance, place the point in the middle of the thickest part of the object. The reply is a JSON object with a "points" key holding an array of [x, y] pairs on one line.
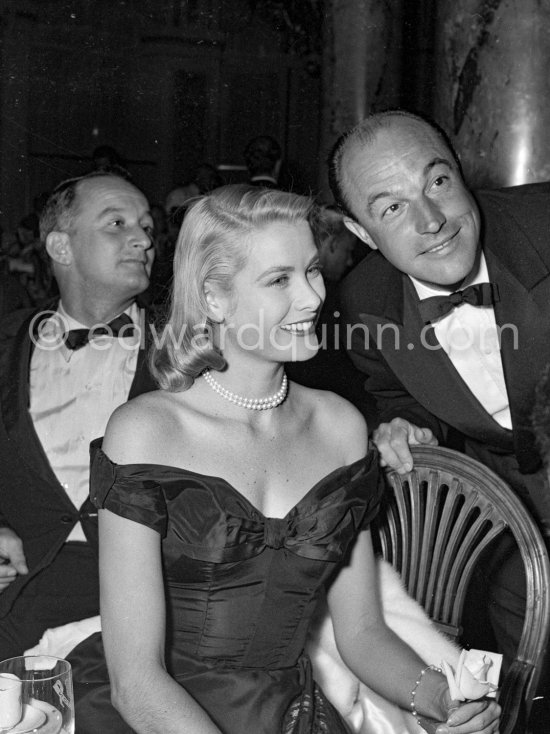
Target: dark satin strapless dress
{"points": [[242, 587]]}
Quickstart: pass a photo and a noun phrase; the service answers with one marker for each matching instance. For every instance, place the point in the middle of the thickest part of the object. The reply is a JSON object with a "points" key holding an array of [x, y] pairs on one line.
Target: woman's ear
{"points": [[58, 247], [215, 302]]}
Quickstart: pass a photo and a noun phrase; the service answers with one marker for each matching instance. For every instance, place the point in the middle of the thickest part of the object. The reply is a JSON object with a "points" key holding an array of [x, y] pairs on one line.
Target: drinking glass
{"points": [[36, 695]]}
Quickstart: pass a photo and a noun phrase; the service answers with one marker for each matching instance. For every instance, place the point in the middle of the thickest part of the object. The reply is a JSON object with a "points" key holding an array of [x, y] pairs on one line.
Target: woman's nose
{"points": [[311, 295]]}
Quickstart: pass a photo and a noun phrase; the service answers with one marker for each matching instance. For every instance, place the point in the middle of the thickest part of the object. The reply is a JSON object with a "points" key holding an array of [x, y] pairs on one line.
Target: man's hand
{"points": [[12, 558], [393, 440]]}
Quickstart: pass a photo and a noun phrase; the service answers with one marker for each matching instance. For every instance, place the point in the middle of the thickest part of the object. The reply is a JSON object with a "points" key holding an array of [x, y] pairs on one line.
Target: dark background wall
{"points": [[168, 83], [174, 83]]}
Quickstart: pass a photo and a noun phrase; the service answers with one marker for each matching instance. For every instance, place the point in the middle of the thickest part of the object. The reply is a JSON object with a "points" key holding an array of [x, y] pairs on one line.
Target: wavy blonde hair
{"points": [[212, 247]]}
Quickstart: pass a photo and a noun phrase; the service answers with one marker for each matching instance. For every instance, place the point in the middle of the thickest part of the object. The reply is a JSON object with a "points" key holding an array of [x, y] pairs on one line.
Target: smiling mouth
{"points": [[300, 327], [442, 246]]}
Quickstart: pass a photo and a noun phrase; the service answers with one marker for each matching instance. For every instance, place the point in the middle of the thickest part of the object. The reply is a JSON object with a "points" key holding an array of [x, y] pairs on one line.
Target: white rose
{"points": [[476, 675]]}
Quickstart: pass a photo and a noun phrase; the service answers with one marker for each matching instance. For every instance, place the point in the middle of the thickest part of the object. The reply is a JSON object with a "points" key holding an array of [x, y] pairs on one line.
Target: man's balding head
{"points": [[398, 179]]}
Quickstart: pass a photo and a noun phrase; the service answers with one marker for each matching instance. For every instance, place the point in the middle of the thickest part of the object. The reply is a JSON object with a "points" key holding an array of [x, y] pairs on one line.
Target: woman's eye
{"points": [[315, 269], [280, 281]]}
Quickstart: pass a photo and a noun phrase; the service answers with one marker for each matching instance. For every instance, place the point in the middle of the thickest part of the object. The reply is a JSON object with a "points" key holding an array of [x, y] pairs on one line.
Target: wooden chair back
{"points": [[435, 525]]}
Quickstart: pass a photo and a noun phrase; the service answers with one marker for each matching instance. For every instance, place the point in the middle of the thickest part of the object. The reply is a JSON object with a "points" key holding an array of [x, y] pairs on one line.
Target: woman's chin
{"points": [[303, 352]]}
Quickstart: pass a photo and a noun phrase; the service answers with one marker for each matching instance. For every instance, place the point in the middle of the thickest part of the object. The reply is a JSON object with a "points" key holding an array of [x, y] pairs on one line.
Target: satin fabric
{"points": [[241, 587]]}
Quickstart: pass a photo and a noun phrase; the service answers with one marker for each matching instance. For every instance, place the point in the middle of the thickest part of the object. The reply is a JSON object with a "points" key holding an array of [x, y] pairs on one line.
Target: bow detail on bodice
{"points": [[207, 519]]}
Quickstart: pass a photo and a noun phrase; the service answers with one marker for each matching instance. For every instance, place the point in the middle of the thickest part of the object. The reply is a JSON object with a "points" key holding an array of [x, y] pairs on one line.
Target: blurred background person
{"points": [[207, 178], [104, 157], [263, 157], [13, 295], [29, 262]]}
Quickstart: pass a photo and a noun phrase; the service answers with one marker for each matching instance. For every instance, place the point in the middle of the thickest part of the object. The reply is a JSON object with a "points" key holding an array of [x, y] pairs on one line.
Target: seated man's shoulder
{"points": [[517, 211], [357, 274], [511, 198], [372, 278]]}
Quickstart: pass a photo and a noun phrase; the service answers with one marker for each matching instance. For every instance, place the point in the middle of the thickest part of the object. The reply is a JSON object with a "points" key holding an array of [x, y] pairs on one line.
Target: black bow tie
{"points": [[434, 308], [78, 338]]}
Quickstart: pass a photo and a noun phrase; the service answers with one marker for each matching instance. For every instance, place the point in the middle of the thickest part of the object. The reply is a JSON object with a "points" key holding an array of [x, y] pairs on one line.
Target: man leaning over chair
{"points": [[436, 366], [59, 383]]}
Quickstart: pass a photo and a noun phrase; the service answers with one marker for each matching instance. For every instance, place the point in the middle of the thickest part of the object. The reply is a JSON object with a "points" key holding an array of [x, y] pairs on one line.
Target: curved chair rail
{"points": [[434, 527]]}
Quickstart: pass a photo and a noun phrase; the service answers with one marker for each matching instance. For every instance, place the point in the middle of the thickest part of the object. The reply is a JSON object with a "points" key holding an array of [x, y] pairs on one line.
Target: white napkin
{"points": [[59, 641]]}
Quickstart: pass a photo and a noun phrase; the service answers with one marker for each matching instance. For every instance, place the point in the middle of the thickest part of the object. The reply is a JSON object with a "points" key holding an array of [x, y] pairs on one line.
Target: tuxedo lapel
{"points": [[517, 265], [521, 313], [522, 318], [15, 406], [143, 381], [15, 401], [413, 353]]}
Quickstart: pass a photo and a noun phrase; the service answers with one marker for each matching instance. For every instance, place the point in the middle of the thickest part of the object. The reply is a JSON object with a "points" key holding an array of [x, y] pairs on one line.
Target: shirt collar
{"points": [[59, 322]]}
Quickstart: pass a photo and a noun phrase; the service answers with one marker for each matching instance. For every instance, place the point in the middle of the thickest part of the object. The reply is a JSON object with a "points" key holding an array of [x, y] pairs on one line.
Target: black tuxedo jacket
{"points": [[413, 378], [32, 501]]}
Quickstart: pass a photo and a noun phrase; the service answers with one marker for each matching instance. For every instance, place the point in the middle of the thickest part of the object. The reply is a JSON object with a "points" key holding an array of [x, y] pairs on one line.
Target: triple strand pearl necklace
{"points": [[250, 403]]}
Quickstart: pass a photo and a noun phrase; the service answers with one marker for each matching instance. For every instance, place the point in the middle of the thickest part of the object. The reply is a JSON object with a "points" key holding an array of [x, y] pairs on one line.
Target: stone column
{"points": [[361, 66], [493, 87]]}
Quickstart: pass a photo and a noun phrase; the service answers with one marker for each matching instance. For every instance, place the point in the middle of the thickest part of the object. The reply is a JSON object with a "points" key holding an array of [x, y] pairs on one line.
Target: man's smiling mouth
{"points": [[441, 246]]}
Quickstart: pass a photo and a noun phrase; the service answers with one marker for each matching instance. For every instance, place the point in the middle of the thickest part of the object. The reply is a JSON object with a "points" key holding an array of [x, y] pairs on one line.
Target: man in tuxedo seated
{"points": [[262, 156], [459, 370], [60, 380]]}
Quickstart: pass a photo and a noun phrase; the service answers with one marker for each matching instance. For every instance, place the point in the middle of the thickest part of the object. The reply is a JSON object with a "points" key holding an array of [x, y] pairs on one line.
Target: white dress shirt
{"points": [[469, 335], [72, 395]]}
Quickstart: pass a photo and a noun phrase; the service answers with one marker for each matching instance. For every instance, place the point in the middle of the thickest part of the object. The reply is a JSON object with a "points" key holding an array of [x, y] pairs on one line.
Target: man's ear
{"points": [[58, 247], [359, 231], [216, 303]]}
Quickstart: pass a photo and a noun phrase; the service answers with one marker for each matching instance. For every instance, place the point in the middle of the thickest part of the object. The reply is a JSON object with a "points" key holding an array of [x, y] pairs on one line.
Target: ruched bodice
{"points": [[241, 587]]}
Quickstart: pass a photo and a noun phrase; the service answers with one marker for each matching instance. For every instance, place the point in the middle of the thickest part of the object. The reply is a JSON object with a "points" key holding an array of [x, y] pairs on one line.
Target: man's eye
{"points": [[440, 181], [391, 209], [117, 222]]}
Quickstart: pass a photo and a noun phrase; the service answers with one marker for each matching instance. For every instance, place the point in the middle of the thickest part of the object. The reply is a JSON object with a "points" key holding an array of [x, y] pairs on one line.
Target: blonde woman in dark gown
{"points": [[230, 499]]}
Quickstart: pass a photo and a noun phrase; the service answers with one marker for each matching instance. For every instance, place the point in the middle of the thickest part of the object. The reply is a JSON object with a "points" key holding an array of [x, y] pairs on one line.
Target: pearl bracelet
{"points": [[414, 712]]}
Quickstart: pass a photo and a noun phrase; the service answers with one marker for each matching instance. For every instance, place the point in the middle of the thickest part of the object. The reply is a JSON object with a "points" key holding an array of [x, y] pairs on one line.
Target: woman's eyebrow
{"points": [[276, 269]]}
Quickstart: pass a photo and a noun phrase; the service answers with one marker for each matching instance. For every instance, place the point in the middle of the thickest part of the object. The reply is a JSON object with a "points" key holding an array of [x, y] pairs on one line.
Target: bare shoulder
{"points": [[338, 419], [136, 427]]}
